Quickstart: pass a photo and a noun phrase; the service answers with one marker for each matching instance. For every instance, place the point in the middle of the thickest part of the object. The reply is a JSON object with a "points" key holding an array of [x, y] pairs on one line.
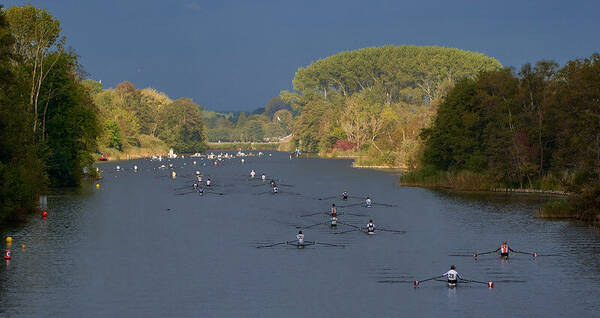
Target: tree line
{"points": [[375, 101], [146, 122], [535, 128], [53, 123], [269, 123]]}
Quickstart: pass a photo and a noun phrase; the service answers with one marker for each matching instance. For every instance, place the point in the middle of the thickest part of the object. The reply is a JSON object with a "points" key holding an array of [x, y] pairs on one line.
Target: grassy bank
{"points": [[463, 180], [583, 205], [473, 181], [254, 146], [365, 159]]}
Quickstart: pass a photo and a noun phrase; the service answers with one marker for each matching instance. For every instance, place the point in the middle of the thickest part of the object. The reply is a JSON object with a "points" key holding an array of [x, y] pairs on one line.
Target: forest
{"points": [[535, 128]]}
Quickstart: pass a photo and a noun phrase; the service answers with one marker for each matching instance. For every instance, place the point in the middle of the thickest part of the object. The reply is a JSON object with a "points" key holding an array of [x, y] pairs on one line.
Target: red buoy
{"points": [[7, 255], [44, 214], [491, 284]]}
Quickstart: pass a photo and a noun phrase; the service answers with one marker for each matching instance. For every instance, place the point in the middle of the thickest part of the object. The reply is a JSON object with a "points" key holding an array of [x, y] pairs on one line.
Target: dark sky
{"points": [[236, 55]]}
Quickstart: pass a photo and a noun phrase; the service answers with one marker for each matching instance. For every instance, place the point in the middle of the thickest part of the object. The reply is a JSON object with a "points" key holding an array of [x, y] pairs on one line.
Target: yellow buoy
{"points": [[97, 185], [23, 246], [8, 240]]}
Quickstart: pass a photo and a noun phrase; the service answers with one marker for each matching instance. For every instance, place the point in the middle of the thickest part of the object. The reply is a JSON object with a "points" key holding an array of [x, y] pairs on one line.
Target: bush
{"points": [[343, 145]]}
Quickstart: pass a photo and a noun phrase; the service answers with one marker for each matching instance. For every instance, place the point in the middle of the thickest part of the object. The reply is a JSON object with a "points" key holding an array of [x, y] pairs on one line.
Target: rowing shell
{"points": [[298, 245]]}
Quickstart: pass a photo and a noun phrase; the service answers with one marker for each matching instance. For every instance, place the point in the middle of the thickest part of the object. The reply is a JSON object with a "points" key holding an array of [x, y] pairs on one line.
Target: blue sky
{"points": [[236, 55]]}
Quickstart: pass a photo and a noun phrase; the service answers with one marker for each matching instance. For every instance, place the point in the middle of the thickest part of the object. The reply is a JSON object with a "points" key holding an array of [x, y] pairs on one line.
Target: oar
{"points": [[354, 226], [310, 226], [327, 244], [417, 282], [489, 284], [532, 254], [353, 214], [393, 231], [217, 193], [327, 198], [342, 232], [271, 245], [477, 254], [305, 215], [386, 205], [349, 205], [189, 192]]}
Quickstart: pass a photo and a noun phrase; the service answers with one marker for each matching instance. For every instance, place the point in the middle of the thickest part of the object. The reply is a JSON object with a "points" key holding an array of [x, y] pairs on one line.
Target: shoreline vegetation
{"points": [[535, 129]]}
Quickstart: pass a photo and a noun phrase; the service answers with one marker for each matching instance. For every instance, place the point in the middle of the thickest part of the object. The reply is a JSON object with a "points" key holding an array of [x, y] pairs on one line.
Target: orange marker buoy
{"points": [[7, 255], [44, 214], [23, 246], [8, 240]]}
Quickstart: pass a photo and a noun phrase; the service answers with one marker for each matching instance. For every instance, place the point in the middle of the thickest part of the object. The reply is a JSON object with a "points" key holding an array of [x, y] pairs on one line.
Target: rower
{"points": [[333, 221], [201, 191], [345, 195], [195, 186], [208, 182], [300, 237], [272, 183], [252, 174], [371, 227], [452, 275], [263, 177], [197, 172], [118, 168], [504, 249], [242, 160], [368, 202], [333, 210], [275, 190], [199, 177], [135, 168]]}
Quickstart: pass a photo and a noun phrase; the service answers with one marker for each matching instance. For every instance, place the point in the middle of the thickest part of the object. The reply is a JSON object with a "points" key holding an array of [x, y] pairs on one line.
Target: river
{"points": [[135, 248]]}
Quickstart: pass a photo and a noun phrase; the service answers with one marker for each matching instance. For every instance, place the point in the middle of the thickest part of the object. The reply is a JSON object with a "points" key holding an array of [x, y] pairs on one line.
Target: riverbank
{"points": [[582, 205], [254, 146], [145, 151], [363, 159]]}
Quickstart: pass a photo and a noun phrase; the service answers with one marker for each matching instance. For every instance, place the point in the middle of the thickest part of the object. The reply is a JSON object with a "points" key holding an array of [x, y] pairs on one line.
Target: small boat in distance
{"points": [[103, 157]]}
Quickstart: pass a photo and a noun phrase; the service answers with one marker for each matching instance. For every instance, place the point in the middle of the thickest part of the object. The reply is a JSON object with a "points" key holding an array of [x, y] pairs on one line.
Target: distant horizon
{"points": [[238, 55]]}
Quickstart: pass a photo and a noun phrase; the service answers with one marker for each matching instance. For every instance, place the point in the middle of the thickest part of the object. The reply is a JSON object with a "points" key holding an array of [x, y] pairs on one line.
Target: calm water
{"points": [[134, 248]]}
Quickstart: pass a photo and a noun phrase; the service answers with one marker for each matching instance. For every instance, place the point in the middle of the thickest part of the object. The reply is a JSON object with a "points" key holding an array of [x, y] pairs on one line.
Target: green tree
{"points": [[36, 33]]}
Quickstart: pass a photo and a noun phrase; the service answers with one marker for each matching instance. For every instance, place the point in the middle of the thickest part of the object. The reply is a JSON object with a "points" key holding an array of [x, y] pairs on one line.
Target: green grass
{"points": [[462, 180], [244, 145]]}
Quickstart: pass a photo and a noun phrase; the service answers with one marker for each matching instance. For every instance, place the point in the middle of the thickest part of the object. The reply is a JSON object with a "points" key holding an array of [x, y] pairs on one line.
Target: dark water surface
{"points": [[133, 248]]}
